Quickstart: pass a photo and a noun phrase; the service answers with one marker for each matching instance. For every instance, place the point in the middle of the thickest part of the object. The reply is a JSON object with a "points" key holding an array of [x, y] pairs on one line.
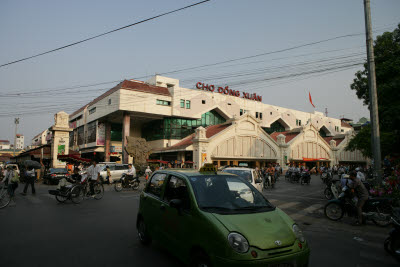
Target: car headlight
{"points": [[298, 233], [238, 242]]}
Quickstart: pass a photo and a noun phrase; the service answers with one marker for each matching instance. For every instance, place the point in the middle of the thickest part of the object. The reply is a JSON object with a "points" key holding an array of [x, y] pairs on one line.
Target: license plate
{"points": [[281, 265]]}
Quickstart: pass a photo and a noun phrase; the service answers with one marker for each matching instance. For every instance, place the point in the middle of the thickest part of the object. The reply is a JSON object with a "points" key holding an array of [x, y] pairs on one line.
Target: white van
{"points": [[251, 175], [116, 170]]}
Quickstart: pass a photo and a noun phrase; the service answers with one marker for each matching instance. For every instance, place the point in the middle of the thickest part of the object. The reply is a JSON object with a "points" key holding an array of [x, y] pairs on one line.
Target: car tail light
{"points": [[53, 175]]}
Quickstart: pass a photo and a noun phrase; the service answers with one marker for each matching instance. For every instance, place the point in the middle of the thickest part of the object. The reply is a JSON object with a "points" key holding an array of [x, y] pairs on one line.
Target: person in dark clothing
{"points": [[30, 176], [362, 195]]}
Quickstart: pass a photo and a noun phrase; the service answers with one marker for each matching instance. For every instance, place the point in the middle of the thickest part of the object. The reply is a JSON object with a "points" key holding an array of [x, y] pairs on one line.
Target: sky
{"points": [[213, 32]]}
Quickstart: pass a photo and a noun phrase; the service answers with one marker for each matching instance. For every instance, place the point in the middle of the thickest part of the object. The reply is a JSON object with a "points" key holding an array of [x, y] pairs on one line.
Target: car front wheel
{"points": [[142, 233], [200, 259]]}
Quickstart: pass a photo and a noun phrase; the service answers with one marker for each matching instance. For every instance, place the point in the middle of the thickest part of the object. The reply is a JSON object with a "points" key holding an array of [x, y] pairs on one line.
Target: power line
{"points": [[99, 35]]}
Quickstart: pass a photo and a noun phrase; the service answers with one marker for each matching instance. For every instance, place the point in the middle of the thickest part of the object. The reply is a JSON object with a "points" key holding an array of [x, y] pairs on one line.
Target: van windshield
{"points": [[246, 174], [227, 194]]}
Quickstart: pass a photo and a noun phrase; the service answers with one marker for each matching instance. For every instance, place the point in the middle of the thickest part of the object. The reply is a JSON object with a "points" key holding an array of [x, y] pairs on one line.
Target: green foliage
{"points": [[387, 65]]}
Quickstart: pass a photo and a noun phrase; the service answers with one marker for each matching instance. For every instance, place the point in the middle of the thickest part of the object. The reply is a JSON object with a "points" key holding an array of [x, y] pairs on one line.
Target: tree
{"points": [[387, 65]]}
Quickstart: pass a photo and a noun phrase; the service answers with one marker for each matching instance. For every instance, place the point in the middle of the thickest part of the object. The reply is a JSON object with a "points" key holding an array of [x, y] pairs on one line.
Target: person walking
{"points": [[93, 173], [30, 176], [11, 179]]}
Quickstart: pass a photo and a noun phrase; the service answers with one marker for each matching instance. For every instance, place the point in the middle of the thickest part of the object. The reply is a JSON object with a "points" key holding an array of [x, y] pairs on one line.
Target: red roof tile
{"points": [[143, 87], [128, 85], [346, 125], [289, 135], [338, 140], [210, 132], [4, 141]]}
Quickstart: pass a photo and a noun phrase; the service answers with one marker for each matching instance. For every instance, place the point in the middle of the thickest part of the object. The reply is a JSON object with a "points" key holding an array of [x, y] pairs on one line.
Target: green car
{"points": [[217, 219]]}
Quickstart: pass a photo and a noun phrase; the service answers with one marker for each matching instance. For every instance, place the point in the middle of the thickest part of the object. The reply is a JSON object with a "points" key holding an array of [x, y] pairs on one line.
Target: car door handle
{"points": [[162, 207]]}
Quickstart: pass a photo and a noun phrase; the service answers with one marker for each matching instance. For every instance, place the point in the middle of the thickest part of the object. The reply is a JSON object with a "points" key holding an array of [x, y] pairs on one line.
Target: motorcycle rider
{"points": [[270, 171], [362, 194], [131, 172], [148, 172]]}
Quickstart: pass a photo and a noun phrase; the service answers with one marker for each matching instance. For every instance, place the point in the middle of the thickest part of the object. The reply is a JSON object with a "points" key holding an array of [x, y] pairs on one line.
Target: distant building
{"points": [[42, 138], [19, 141], [4, 144]]}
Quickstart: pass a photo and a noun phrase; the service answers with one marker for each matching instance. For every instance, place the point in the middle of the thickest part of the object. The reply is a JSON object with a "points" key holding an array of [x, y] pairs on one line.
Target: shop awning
{"points": [[74, 158], [312, 159], [156, 161]]}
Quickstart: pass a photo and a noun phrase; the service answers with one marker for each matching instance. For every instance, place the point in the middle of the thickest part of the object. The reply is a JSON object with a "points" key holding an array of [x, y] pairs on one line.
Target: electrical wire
{"points": [[102, 34]]}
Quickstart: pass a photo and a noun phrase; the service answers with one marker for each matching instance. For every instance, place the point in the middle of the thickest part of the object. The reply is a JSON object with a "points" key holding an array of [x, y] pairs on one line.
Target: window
{"points": [[177, 189], [156, 183], [275, 127], [298, 122], [178, 128], [270, 113], [182, 103], [163, 102], [342, 131], [260, 116], [187, 104], [203, 101], [241, 112], [257, 115], [229, 104], [93, 110], [109, 101]]}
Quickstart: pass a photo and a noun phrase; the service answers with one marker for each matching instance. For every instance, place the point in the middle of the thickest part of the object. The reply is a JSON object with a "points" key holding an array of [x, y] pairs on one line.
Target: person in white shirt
{"points": [[148, 172], [360, 175], [131, 172], [93, 173]]}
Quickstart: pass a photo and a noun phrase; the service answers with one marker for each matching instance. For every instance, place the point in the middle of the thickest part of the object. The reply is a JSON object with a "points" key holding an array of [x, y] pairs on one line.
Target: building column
{"points": [[126, 126], [108, 142]]}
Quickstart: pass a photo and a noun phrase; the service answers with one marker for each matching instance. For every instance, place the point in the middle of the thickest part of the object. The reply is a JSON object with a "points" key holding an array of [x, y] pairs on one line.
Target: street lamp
{"points": [[16, 122]]}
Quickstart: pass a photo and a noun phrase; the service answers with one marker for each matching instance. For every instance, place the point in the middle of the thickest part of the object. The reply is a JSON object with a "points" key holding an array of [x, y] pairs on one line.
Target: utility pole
{"points": [[16, 122], [373, 97]]}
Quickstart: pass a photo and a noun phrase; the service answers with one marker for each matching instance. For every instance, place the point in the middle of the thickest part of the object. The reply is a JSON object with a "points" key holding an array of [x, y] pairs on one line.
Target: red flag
{"points": [[309, 94]]}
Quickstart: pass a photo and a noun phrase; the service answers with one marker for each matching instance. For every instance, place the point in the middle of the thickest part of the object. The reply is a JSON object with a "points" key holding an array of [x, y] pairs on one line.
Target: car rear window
{"points": [[246, 174], [58, 170]]}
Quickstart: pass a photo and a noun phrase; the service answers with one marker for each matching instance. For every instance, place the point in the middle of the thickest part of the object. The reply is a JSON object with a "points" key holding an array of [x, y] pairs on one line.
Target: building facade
{"points": [[169, 117], [20, 141]]}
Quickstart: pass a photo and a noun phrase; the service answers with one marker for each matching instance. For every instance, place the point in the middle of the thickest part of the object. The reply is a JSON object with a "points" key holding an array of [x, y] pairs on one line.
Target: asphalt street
{"points": [[39, 231]]}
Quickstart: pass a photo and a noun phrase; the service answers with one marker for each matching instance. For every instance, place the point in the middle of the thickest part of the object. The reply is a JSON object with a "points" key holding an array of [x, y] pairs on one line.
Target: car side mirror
{"points": [[176, 203], [258, 181]]}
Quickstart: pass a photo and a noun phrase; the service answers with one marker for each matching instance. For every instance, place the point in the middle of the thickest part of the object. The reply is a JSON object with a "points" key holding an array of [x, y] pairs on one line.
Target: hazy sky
{"points": [[216, 31]]}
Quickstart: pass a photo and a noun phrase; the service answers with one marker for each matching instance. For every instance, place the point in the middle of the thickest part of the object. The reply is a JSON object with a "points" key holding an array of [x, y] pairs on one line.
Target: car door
{"points": [[151, 204], [176, 223], [256, 179]]}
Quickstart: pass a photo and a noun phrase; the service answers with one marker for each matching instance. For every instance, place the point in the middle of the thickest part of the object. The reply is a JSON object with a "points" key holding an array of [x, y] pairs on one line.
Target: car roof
{"points": [[190, 172], [239, 168]]}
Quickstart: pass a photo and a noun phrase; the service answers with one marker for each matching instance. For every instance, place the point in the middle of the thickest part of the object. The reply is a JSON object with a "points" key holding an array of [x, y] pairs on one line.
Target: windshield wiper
{"points": [[254, 208], [215, 207]]}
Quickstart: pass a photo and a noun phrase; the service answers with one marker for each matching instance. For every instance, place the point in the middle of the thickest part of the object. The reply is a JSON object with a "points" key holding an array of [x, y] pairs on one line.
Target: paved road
{"points": [[38, 231]]}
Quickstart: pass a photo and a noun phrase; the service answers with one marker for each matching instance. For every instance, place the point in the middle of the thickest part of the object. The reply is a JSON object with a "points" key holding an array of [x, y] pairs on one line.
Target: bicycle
{"points": [[5, 197], [77, 192]]}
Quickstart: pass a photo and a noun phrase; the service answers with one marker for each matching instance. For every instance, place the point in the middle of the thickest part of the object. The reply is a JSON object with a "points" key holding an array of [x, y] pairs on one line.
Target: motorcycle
{"points": [[295, 177], [377, 210], [331, 191], [287, 175], [125, 182], [305, 177], [268, 181], [392, 243]]}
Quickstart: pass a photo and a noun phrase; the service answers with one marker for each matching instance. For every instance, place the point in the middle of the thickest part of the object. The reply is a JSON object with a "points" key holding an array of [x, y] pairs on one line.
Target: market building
{"points": [[206, 124]]}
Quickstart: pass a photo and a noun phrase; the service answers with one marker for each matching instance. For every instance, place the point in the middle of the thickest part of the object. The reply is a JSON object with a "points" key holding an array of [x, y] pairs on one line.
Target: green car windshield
{"points": [[227, 194]]}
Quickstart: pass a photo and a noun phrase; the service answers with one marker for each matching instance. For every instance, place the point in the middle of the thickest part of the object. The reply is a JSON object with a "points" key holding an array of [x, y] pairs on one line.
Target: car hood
{"points": [[260, 229]]}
